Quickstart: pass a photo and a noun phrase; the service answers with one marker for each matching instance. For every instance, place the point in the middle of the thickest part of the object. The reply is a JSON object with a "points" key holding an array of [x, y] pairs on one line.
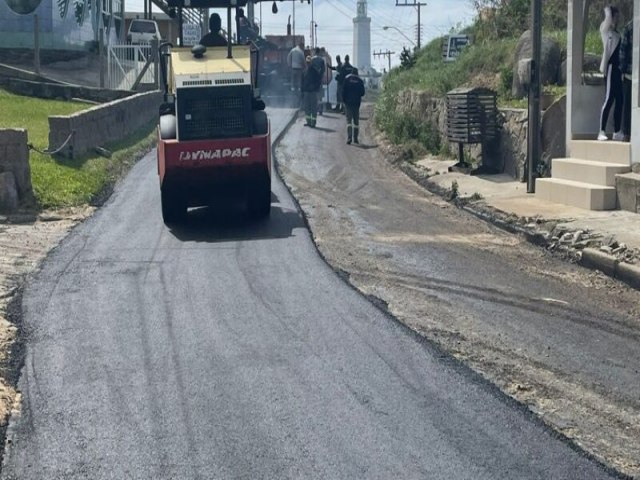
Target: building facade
{"points": [[64, 25]]}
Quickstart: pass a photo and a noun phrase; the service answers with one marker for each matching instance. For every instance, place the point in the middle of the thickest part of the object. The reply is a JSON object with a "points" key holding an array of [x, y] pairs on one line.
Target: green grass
{"points": [[61, 182], [592, 42], [487, 64], [430, 74]]}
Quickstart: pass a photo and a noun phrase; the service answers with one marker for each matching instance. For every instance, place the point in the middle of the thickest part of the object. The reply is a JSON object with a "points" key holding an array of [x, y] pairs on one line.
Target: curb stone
{"points": [[587, 257], [630, 274], [607, 264]]}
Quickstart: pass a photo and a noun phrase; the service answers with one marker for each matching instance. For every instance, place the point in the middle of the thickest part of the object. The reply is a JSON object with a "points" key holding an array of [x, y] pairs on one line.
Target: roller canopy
{"points": [[209, 3]]}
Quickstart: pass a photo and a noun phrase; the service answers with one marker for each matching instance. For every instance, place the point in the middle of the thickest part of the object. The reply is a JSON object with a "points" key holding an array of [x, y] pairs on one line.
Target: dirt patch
{"points": [[25, 240]]}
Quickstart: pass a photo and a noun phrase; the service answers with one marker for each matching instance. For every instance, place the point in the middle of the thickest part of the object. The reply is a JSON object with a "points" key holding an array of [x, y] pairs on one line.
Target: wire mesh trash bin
{"points": [[472, 117]]}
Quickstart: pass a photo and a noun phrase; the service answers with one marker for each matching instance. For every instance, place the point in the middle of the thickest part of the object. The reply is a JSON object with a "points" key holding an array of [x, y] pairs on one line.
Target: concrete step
{"points": [[610, 152], [587, 171], [577, 194], [628, 190]]}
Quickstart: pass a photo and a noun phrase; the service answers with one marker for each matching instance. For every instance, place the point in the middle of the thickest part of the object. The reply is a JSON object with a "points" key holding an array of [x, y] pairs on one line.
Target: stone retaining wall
{"points": [[15, 173], [102, 124], [509, 151]]}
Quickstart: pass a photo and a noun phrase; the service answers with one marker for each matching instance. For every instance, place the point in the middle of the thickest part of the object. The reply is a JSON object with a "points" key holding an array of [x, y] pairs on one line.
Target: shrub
{"points": [[506, 80]]}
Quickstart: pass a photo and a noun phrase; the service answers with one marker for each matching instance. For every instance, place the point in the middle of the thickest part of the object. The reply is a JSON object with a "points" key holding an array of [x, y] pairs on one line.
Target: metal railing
{"points": [[131, 65]]}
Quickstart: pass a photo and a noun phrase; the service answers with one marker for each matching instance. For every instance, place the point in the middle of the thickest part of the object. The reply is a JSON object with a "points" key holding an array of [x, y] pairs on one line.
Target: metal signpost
{"points": [[533, 147]]}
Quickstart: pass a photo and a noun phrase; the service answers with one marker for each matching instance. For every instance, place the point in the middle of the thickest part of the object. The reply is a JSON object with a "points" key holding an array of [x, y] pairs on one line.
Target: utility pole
{"points": [[387, 54], [251, 14], [413, 3], [533, 140]]}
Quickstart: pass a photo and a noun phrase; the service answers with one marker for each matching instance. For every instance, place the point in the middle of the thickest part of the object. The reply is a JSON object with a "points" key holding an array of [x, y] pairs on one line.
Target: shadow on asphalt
{"points": [[365, 147], [281, 101], [225, 223], [323, 129]]}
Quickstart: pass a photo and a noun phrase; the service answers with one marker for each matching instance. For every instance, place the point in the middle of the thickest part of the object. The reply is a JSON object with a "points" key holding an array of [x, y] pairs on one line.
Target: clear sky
{"points": [[335, 24]]}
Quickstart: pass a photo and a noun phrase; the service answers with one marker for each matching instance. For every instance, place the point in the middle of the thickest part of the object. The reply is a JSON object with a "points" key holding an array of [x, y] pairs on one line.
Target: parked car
{"points": [[143, 31]]}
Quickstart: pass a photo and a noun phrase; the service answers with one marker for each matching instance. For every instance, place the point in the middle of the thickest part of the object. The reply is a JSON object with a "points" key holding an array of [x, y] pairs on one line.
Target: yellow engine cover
{"points": [[214, 69]]}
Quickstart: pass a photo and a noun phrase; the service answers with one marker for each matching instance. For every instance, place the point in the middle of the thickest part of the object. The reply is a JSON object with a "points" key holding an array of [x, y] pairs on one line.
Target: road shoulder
{"points": [[343, 190]]}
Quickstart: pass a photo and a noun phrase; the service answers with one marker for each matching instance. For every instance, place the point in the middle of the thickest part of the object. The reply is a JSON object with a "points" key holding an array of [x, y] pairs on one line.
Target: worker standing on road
{"points": [[311, 82], [353, 91], [339, 81], [296, 62], [318, 63], [347, 69], [328, 75]]}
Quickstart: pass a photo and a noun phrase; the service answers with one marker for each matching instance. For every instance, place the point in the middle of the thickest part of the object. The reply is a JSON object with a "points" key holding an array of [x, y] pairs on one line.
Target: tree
{"points": [[407, 59]]}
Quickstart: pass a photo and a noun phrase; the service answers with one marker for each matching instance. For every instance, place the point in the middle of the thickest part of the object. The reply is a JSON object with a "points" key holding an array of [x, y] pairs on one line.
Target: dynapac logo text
{"points": [[215, 154]]}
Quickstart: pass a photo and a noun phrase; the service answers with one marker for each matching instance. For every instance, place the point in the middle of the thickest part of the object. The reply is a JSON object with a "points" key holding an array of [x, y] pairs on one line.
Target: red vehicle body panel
{"points": [[203, 156], [202, 167]]}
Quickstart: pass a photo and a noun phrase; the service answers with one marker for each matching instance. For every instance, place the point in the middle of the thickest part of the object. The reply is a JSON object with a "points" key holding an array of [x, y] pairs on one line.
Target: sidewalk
{"points": [[82, 71], [614, 232]]}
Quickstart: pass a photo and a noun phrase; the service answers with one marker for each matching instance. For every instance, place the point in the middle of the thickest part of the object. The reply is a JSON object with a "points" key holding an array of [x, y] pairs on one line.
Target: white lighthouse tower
{"points": [[362, 39]]}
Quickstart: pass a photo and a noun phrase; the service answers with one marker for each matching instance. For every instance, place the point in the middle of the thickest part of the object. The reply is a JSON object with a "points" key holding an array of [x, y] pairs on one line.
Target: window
{"points": [[142, 27]]}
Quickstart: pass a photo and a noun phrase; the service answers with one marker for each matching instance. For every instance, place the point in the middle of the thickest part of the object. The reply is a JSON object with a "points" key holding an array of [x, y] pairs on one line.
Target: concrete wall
{"points": [[8, 72], [584, 102], [628, 192], [635, 86], [103, 124], [14, 166]]}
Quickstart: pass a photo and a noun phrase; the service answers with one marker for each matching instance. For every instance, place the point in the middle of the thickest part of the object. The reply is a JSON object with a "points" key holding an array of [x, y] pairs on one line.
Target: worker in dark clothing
{"points": [[352, 93], [214, 38], [346, 70], [311, 82], [626, 52], [246, 32]]}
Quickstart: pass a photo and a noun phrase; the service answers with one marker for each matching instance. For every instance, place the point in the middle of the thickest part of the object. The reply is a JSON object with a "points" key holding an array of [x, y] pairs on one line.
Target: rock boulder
{"points": [[550, 59], [590, 63], [14, 158]]}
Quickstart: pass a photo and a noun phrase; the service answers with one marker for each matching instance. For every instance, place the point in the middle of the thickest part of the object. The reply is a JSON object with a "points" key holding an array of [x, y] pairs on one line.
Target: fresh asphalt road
{"points": [[234, 351]]}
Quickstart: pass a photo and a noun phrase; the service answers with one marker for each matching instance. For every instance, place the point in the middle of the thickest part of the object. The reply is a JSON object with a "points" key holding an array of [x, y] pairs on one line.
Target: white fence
{"points": [[125, 63]]}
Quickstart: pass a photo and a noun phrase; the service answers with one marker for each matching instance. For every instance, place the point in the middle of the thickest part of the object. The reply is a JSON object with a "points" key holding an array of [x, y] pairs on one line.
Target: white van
{"points": [[143, 31]]}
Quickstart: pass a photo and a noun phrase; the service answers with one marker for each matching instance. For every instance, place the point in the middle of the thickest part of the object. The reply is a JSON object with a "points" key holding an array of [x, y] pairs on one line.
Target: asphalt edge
{"points": [[590, 258], [14, 364], [442, 355]]}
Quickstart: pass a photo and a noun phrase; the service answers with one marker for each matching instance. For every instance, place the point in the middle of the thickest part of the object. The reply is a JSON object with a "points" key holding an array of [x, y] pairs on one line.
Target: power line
{"points": [[412, 3], [386, 53]]}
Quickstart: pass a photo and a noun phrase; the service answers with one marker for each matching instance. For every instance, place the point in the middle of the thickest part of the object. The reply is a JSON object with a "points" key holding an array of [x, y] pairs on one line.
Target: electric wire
{"points": [[54, 151]]}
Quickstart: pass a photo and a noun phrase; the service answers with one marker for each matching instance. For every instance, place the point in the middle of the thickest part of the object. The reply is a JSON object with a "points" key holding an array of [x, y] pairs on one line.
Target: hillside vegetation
{"points": [[488, 62]]}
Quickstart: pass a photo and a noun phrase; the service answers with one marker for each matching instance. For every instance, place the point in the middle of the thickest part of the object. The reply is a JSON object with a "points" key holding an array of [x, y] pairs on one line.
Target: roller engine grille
{"points": [[208, 113]]}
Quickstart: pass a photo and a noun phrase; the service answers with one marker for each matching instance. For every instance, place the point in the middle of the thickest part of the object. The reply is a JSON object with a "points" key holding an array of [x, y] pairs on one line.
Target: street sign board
{"points": [[455, 44], [191, 34]]}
